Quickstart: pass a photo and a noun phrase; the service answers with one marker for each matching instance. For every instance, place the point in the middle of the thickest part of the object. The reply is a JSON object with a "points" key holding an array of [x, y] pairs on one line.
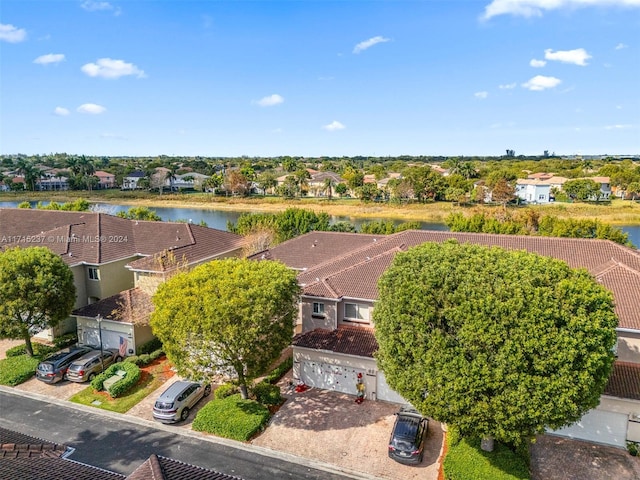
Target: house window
{"points": [[354, 312], [541, 196], [318, 309], [93, 273]]}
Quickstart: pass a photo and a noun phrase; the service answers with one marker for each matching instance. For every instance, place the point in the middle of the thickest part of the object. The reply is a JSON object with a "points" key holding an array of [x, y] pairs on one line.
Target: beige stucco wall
{"points": [[629, 347], [340, 309], [114, 278], [311, 322]]}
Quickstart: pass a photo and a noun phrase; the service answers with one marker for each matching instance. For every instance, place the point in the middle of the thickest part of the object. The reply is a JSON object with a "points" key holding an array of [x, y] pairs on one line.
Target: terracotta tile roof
{"points": [[96, 238], [314, 248], [23, 457], [133, 305], [352, 265], [162, 468], [358, 341], [624, 381]]}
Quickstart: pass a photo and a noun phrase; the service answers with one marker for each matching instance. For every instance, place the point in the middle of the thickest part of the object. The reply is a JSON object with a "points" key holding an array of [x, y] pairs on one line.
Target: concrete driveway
{"points": [[331, 427]]}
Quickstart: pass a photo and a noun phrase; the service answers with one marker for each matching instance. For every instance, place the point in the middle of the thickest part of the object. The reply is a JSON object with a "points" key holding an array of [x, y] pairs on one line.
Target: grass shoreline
{"points": [[617, 212]]}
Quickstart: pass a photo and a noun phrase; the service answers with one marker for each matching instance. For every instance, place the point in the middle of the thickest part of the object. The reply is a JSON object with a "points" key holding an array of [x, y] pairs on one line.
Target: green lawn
{"points": [[15, 370], [150, 380]]}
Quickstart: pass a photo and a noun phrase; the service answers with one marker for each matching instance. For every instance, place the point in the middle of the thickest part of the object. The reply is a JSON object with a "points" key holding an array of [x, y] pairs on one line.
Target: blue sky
{"points": [[268, 78]]}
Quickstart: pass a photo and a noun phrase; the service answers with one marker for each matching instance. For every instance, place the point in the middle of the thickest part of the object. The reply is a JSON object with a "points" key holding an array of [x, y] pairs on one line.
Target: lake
{"points": [[219, 218]]}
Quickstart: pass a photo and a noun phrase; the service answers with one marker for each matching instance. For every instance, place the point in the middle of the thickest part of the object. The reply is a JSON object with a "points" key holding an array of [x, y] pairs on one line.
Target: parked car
{"points": [[406, 444], [53, 368], [89, 365], [176, 401]]}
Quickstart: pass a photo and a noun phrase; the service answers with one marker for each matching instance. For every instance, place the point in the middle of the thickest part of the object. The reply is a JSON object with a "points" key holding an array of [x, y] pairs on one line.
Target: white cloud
{"points": [[362, 46], [93, 6], [535, 8], [109, 68], [49, 58], [620, 46], [508, 86], [91, 108], [535, 63], [540, 82], [578, 56], [617, 127], [12, 34], [270, 100], [61, 111], [333, 126], [481, 95]]}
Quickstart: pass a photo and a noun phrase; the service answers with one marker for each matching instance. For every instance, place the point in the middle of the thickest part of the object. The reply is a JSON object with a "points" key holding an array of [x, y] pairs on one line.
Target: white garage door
{"points": [[384, 391], [599, 426], [330, 377]]}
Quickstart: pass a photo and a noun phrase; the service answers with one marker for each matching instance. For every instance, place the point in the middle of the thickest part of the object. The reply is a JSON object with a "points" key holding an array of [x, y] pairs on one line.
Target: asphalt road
{"points": [[114, 443]]}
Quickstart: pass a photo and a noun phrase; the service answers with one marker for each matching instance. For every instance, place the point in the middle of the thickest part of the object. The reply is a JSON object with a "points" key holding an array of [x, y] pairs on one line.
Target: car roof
{"points": [[61, 355], [87, 356], [175, 389]]}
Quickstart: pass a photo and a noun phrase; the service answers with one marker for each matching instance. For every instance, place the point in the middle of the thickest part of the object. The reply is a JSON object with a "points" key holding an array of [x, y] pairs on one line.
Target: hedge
{"points": [[39, 350], [225, 390], [267, 394], [278, 372], [66, 340], [121, 386], [232, 417], [466, 461], [149, 346], [145, 358], [15, 370]]}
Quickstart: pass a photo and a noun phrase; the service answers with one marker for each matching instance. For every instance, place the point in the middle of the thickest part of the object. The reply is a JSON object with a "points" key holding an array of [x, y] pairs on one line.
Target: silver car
{"points": [[176, 401], [89, 365]]}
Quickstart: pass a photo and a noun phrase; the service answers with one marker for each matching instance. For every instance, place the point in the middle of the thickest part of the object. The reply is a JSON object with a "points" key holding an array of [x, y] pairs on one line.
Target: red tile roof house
{"points": [[23, 457], [339, 274], [116, 263]]}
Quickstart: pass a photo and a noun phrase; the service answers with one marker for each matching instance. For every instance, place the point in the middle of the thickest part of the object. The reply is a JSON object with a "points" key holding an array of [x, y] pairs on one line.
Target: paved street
{"points": [[114, 443]]}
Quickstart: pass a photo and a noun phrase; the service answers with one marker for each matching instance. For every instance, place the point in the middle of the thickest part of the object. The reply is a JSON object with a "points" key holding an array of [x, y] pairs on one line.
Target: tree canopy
{"points": [[36, 292], [228, 316], [495, 343]]}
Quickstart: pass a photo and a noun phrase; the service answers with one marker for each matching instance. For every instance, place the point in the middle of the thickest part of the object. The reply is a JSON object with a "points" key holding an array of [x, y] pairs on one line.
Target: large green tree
{"points": [[496, 343], [36, 292], [228, 316]]}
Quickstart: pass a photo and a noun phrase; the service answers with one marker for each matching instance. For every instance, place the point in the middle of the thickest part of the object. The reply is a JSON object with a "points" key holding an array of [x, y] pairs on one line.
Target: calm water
{"points": [[219, 218]]}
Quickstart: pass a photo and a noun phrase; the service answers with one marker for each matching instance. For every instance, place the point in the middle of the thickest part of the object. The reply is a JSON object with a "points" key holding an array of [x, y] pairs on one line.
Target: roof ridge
{"points": [[156, 468], [615, 265]]}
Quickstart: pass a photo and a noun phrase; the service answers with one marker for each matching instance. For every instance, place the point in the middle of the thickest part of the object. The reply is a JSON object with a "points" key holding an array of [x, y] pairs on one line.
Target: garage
{"points": [[599, 426], [385, 392], [330, 377]]}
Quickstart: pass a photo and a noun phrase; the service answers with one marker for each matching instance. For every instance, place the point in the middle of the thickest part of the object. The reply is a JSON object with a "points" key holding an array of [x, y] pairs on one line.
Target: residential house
{"points": [[23, 457], [108, 254], [339, 272], [317, 183], [540, 187], [130, 180], [105, 180], [53, 179]]}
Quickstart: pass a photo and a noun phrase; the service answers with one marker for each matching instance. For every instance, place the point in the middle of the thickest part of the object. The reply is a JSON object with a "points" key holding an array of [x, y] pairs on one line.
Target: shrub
{"points": [[39, 350], [633, 448], [156, 354], [278, 372], [267, 394], [133, 359], [130, 379], [149, 346], [17, 369], [225, 390], [231, 417], [466, 461], [66, 340], [145, 358]]}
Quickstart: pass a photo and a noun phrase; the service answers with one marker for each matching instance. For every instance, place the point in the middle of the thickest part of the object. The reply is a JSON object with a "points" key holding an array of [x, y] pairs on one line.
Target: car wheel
{"points": [[207, 390], [184, 414], [92, 376]]}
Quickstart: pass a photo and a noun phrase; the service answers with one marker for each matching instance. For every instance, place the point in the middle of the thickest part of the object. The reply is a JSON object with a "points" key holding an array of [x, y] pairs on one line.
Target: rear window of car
{"points": [[45, 367], [164, 405]]}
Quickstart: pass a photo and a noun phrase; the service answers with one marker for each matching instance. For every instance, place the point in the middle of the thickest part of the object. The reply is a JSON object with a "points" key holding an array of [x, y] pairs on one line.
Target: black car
{"points": [[406, 444], [53, 368]]}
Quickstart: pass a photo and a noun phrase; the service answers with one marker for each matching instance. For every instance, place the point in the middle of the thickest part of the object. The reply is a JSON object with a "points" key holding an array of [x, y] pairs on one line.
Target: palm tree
{"points": [[86, 170], [171, 176], [302, 176], [29, 172], [329, 184]]}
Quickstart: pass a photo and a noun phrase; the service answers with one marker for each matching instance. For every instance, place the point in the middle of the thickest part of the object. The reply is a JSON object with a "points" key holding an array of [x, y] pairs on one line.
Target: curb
{"points": [[287, 457]]}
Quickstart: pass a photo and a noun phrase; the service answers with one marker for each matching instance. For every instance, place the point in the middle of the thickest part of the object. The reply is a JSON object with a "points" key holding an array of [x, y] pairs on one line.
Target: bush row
{"points": [[149, 347], [121, 386], [145, 358], [466, 461], [39, 350], [66, 340], [232, 417], [278, 372], [17, 369]]}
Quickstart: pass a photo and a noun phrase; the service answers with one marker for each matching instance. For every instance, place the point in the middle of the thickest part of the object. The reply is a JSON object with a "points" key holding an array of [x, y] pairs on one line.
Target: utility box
{"points": [[633, 428]]}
